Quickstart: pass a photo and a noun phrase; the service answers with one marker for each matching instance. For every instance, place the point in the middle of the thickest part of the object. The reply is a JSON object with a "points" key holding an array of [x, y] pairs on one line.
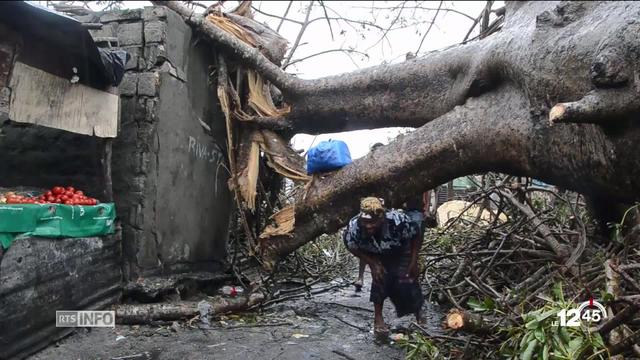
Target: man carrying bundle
{"points": [[389, 241]]}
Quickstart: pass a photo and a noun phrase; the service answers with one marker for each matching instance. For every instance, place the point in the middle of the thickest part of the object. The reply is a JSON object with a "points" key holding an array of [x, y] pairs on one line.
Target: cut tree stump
{"points": [[463, 320]]}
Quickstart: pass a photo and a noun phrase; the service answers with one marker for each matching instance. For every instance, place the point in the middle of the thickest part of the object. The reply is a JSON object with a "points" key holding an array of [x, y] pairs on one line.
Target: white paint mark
{"points": [[192, 143]]}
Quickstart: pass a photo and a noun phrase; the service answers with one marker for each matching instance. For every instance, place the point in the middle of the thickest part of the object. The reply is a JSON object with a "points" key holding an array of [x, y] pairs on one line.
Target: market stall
{"points": [[59, 111]]}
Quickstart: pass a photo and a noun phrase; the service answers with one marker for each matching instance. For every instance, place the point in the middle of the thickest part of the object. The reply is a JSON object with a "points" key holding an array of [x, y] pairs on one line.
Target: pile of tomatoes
{"points": [[57, 195]]}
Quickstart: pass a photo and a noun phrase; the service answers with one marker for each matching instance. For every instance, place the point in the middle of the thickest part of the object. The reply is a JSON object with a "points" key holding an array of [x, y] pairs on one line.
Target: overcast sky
{"points": [[411, 23]]}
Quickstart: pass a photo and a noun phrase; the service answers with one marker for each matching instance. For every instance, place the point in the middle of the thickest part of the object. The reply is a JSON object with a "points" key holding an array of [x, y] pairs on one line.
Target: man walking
{"points": [[389, 242]]}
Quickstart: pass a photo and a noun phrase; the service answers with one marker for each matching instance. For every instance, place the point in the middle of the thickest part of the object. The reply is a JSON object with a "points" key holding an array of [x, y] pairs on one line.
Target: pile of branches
{"points": [[533, 250]]}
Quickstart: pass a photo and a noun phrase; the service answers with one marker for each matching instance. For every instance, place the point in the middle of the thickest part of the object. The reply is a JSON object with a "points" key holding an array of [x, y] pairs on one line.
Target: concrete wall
{"points": [[170, 182]]}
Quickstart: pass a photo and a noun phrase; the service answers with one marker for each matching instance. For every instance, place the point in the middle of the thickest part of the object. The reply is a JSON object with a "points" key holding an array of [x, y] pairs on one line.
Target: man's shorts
{"points": [[404, 293]]}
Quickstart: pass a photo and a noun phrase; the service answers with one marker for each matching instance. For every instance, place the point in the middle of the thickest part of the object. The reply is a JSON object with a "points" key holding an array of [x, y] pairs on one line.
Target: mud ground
{"points": [[336, 324]]}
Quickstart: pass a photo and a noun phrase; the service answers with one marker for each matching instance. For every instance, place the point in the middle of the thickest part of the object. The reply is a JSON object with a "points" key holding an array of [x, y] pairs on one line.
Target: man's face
{"points": [[371, 226]]}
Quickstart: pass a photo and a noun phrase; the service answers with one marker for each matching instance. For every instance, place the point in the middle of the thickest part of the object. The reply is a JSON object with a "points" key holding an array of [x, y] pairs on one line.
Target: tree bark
{"points": [[146, 313], [483, 106]]}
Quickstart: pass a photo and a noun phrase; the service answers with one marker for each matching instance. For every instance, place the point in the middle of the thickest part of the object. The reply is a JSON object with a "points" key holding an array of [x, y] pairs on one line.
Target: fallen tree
{"points": [[553, 96]]}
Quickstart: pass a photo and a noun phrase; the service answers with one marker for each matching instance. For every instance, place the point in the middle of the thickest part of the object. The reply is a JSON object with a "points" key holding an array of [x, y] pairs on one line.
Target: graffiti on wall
{"points": [[211, 153]]}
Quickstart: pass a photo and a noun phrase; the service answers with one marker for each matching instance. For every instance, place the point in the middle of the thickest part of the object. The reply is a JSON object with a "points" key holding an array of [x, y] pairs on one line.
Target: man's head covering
{"points": [[376, 145], [371, 207]]}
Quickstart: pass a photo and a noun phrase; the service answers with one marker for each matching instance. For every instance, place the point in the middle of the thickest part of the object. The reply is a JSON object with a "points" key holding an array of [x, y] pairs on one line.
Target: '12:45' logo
{"points": [[590, 311]]}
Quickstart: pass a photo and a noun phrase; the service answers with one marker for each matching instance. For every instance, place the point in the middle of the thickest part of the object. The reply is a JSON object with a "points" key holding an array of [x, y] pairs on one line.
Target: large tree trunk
{"points": [[485, 106]]}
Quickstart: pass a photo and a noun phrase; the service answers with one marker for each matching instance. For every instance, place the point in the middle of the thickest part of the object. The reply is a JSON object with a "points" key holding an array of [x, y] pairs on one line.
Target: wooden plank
{"points": [[44, 99]]}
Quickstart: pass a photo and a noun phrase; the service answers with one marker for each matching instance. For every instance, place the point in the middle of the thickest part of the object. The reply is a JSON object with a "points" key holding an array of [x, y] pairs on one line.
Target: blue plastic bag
{"points": [[327, 156]]}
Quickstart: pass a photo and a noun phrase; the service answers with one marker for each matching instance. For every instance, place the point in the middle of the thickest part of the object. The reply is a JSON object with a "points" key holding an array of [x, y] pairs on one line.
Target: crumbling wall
{"points": [[39, 276], [169, 177]]}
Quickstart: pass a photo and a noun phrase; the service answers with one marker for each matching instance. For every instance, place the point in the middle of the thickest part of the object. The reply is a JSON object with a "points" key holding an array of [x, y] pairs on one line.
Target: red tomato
{"points": [[78, 192], [71, 188], [48, 193], [57, 190]]}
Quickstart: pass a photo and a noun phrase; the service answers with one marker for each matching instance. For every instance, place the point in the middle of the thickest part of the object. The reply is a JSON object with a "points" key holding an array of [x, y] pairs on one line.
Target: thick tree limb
{"points": [[537, 46], [599, 106], [457, 144], [146, 313]]}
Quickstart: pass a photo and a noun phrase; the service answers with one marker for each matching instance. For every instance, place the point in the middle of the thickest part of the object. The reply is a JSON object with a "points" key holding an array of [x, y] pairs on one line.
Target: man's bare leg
{"points": [[379, 327], [419, 318], [358, 284]]}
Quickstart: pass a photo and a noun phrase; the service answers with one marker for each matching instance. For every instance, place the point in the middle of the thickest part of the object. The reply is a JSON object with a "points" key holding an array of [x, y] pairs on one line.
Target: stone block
{"points": [[154, 13], [122, 15], [134, 52], [148, 83], [155, 31], [154, 55], [138, 183], [130, 34], [129, 84], [150, 106]]}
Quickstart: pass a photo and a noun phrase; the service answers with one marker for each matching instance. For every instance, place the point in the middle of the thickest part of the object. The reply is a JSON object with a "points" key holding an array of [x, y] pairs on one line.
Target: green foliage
{"points": [[540, 337], [488, 304], [617, 227], [418, 347]]}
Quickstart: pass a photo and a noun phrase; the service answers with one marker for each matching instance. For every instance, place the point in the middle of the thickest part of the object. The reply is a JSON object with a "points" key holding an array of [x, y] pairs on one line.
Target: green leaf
{"points": [[564, 334], [533, 324], [545, 352], [475, 304], [525, 339], [539, 334], [606, 296], [546, 315], [531, 347], [489, 303], [597, 341], [557, 291], [574, 345], [559, 343]]}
